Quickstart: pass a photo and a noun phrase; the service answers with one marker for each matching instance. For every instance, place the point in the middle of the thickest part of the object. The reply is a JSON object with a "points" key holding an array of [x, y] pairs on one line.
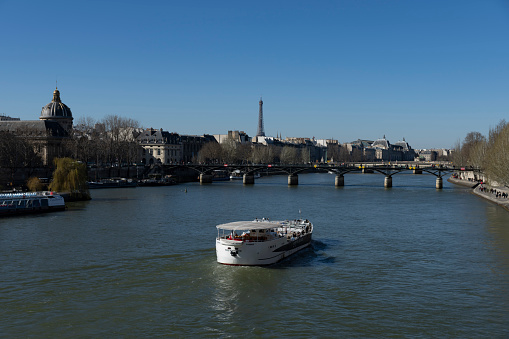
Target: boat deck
{"points": [[261, 231]]}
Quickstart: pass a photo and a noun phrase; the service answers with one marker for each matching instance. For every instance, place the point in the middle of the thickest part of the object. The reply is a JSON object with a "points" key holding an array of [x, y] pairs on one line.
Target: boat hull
{"points": [[28, 203], [246, 253]]}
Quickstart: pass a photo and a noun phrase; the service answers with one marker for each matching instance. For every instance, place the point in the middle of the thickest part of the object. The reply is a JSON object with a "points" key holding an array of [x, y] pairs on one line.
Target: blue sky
{"points": [[427, 71]]}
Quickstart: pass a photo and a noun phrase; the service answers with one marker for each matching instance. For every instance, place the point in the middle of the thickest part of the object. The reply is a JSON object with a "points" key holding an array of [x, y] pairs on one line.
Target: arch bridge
{"points": [[206, 171]]}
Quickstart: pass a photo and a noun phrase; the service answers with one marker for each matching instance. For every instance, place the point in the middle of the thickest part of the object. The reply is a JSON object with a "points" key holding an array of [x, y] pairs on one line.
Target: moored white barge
{"points": [[261, 242], [30, 202]]}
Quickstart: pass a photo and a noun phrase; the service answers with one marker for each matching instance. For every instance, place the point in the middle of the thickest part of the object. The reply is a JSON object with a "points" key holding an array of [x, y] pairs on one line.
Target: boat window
{"points": [[262, 231]]}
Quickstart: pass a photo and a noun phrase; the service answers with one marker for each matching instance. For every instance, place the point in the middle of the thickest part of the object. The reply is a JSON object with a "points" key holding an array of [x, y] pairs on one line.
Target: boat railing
{"points": [[24, 195], [18, 195], [245, 238]]}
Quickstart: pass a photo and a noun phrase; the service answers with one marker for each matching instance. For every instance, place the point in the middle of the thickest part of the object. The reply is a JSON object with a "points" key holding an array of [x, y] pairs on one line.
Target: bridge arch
{"points": [[387, 169]]}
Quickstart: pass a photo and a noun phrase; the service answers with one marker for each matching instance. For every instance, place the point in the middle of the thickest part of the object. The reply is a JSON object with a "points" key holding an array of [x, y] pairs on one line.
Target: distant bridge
{"points": [[248, 171]]}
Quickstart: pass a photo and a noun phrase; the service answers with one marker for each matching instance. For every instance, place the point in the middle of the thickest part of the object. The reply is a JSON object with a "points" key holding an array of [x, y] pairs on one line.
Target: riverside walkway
{"points": [[387, 169], [493, 197], [495, 194]]}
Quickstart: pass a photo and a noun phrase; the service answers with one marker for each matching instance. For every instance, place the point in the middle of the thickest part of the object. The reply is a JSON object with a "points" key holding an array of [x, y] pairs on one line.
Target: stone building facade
{"points": [[47, 134], [159, 147]]}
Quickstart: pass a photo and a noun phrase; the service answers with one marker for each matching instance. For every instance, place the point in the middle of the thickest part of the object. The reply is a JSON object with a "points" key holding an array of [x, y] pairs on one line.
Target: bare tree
{"points": [[305, 155], [333, 152], [257, 155], [496, 164], [265, 154], [210, 152], [289, 155], [17, 153], [458, 158], [357, 155], [229, 147], [471, 145], [477, 154], [244, 153], [344, 154], [120, 132]]}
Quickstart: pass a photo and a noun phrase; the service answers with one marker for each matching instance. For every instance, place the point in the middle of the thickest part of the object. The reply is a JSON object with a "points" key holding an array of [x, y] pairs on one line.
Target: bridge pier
{"points": [[439, 183], [293, 179], [417, 171], [388, 182], [248, 179], [205, 178], [340, 180]]}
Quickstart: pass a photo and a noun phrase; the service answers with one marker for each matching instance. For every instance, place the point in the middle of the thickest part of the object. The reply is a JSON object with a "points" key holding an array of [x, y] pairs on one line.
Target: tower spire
{"points": [[261, 131]]}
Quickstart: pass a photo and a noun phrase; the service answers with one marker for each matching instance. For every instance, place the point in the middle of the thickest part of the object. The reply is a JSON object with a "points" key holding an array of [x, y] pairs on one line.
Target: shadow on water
{"points": [[314, 254]]}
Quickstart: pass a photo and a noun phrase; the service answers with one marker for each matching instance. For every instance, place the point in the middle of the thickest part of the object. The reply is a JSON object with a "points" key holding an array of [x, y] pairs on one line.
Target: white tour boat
{"points": [[30, 202], [261, 242]]}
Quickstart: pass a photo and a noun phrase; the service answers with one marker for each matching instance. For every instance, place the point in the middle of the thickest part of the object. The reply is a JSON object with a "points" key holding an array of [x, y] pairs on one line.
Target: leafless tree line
{"points": [[233, 152], [490, 154], [16, 153], [108, 142], [340, 153]]}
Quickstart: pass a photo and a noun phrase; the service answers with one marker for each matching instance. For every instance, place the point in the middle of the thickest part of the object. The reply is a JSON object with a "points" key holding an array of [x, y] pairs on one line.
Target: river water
{"points": [[410, 261]]}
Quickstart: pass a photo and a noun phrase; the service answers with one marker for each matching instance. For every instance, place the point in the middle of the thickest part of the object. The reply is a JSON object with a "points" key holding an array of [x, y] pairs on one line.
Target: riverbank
{"points": [[463, 182], [494, 194], [483, 192]]}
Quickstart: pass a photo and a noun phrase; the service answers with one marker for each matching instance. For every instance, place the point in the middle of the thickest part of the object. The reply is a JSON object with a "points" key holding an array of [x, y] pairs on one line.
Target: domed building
{"points": [[385, 151], [49, 132], [408, 153], [403, 144], [382, 144], [57, 111]]}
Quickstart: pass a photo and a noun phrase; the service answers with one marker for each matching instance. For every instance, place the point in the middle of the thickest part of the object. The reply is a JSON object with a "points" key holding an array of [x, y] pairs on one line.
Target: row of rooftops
{"points": [[159, 136]]}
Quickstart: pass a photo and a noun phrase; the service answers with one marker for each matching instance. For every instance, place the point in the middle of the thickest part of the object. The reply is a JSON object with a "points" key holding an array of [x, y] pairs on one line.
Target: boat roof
{"points": [[248, 225], [24, 195]]}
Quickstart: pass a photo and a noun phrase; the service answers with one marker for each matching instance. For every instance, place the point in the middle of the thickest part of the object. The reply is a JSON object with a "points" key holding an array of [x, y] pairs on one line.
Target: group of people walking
{"points": [[497, 193]]}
